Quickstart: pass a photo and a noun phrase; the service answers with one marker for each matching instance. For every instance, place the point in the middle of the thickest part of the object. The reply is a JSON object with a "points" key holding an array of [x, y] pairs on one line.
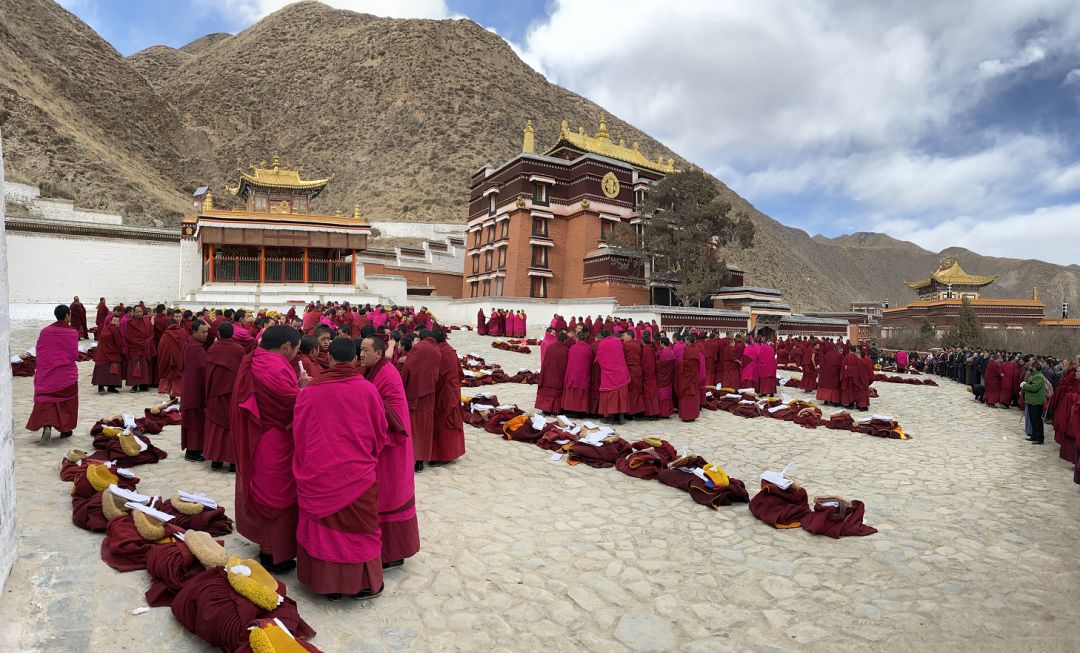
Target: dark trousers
{"points": [[1035, 416]]}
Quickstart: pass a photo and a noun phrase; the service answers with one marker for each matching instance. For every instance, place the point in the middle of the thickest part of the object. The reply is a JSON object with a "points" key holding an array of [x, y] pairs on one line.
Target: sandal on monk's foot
{"points": [[267, 561], [66, 434], [194, 456], [367, 594], [392, 564], [217, 464], [336, 596], [419, 466]]}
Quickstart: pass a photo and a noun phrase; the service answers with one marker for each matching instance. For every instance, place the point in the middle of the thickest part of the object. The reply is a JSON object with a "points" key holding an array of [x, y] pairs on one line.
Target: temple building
{"points": [[941, 296]]}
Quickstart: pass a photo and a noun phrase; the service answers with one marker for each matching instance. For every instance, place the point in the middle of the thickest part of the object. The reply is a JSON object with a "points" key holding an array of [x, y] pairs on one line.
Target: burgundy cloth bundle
{"points": [[25, 367], [148, 457], [726, 403], [524, 432], [551, 435], [123, 548], [699, 490], [746, 410], [600, 457], [841, 421], [837, 518], [780, 508], [166, 418], [495, 421], [645, 465], [86, 513], [808, 417], [505, 346], [170, 567], [906, 381], [525, 378], [211, 520], [72, 472]]}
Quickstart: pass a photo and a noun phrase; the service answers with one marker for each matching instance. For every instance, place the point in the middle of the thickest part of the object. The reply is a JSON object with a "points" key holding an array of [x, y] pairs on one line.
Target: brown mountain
{"points": [[399, 111]]}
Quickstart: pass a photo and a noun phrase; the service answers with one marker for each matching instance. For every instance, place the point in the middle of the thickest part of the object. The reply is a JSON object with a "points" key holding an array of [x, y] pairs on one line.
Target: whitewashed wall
{"points": [[8, 533], [431, 230], [24, 194], [190, 267], [50, 269]]}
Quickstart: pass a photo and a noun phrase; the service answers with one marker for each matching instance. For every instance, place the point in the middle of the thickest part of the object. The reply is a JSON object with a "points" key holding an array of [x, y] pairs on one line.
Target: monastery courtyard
{"points": [[976, 549]]}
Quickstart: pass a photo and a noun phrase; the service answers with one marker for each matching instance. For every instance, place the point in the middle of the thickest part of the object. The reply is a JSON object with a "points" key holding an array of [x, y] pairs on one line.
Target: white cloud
{"points": [[253, 10], [1032, 53], [1072, 77]]}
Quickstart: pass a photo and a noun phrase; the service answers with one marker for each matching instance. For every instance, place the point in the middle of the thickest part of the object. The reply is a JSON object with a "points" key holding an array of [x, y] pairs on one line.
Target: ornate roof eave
{"points": [[298, 185]]}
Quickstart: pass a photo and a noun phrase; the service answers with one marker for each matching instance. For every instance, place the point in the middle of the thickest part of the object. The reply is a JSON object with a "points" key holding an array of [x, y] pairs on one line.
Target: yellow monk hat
{"points": [[111, 431], [150, 528], [209, 553], [113, 506], [253, 582], [717, 475], [185, 507], [129, 444], [100, 477], [75, 455], [272, 638]]}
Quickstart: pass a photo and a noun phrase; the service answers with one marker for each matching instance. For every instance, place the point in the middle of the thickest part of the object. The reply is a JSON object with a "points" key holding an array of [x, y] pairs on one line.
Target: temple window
{"points": [[478, 240], [487, 288], [491, 234], [605, 229], [502, 257], [475, 263], [505, 229], [487, 262], [540, 193], [491, 203], [539, 227], [539, 257], [538, 287], [499, 286], [474, 288]]}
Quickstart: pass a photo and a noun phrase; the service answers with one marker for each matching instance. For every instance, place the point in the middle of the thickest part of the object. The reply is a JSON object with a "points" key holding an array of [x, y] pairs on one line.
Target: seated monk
{"points": [[710, 487], [129, 537], [191, 515], [781, 503], [837, 518], [221, 603], [171, 566]]}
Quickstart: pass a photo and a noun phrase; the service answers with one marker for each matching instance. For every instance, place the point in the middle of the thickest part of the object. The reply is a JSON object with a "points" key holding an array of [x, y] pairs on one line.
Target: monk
{"points": [[420, 375], [397, 501], [241, 333], [689, 375], [309, 346], [633, 354], [666, 367], [854, 381], [809, 368], [993, 380], [222, 363], [323, 334], [576, 380], [170, 359], [829, 375], [481, 323], [448, 442], [549, 391], [139, 350], [523, 324], [650, 392], [102, 315], [339, 431], [748, 376], [766, 369], [109, 356], [193, 392], [614, 400], [711, 347], [56, 381], [78, 318], [261, 425], [732, 364]]}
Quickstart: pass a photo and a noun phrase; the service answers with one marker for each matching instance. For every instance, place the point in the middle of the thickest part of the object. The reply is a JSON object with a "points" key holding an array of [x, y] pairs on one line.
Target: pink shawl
{"points": [[614, 373], [395, 488], [578, 367], [544, 344], [57, 351], [766, 361]]}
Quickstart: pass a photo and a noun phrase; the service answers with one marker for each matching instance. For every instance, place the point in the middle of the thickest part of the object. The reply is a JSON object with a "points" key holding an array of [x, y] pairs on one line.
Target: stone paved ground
{"points": [[977, 546]]}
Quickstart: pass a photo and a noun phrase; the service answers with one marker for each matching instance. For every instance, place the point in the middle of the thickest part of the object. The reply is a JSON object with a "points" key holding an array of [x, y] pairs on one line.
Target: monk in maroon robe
{"points": [[711, 346], [854, 381], [614, 377], [193, 392], [339, 431], [732, 366], [481, 323], [666, 365], [78, 318], [420, 374], [993, 380], [139, 351], [549, 390], [261, 423], [809, 368], [222, 363], [103, 313], [829, 375], [448, 441], [397, 500], [577, 377], [56, 381], [109, 356], [170, 359], [689, 376], [633, 354]]}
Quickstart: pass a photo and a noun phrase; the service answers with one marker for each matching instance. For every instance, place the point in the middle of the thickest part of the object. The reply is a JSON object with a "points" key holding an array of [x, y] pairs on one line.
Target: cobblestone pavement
{"points": [[977, 546]]}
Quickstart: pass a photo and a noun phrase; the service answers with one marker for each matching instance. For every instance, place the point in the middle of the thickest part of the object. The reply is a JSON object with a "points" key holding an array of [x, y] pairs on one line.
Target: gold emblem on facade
{"points": [[610, 185]]}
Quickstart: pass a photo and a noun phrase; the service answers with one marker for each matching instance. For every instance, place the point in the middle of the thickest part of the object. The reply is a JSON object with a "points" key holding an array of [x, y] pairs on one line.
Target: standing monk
{"points": [[170, 359], [576, 380], [829, 375], [420, 375], [549, 391], [222, 363], [809, 367], [748, 376], [712, 356], [102, 315], [139, 349], [689, 375], [665, 377], [633, 354], [193, 392], [109, 356], [339, 431], [481, 323], [766, 369], [448, 442], [994, 381], [650, 394], [78, 318], [56, 381], [397, 500], [261, 425], [614, 377], [732, 367], [854, 381]]}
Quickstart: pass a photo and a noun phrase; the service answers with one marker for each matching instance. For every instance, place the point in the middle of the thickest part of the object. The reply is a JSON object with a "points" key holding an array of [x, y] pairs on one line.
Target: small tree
{"points": [[687, 225], [968, 332], [927, 334]]}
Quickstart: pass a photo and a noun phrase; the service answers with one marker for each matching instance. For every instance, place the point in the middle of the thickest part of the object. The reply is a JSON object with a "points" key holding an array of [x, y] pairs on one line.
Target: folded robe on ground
{"points": [[600, 457], [840, 519], [170, 567], [211, 520], [780, 508], [124, 548]]}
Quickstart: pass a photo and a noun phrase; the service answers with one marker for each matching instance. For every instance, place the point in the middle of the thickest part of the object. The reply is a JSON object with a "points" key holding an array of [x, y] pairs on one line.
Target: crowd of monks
{"points": [[502, 322], [635, 370], [287, 402]]}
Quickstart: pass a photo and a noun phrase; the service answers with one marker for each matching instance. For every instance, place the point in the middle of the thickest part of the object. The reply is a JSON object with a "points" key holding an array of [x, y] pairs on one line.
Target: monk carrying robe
{"points": [[56, 383], [549, 392], [139, 350], [261, 425], [109, 356], [193, 391], [614, 377], [170, 359], [576, 380], [420, 375], [339, 430], [222, 362], [448, 439], [397, 500]]}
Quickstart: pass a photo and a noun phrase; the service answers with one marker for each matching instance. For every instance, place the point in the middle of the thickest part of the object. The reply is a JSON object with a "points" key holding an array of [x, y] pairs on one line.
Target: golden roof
{"points": [[601, 144], [277, 177], [950, 273]]}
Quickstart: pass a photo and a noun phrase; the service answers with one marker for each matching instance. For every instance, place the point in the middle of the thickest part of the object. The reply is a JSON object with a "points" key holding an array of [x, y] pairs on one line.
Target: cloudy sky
{"points": [[943, 123]]}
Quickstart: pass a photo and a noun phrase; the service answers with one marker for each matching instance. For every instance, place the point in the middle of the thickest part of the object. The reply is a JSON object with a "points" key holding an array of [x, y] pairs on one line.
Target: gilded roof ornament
{"points": [[949, 272], [356, 213], [601, 132], [208, 203], [529, 142], [602, 144], [564, 129]]}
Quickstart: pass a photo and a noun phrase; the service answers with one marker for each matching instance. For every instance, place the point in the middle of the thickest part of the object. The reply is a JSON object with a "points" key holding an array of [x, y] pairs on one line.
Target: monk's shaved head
{"points": [[342, 350]]}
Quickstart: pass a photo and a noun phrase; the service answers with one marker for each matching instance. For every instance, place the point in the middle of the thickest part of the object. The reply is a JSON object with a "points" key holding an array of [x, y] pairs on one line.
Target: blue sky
{"points": [[947, 124]]}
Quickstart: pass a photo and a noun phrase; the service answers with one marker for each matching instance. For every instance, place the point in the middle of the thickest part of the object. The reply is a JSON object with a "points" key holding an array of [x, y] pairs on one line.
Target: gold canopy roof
{"points": [[601, 144], [950, 273], [277, 177]]}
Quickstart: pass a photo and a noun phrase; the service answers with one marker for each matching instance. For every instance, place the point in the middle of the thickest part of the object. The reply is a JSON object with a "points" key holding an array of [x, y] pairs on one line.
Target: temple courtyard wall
{"points": [[8, 535]]}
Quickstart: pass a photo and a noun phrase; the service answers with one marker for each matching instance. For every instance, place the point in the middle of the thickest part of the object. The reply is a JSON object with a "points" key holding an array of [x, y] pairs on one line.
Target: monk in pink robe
{"points": [[56, 381], [549, 391], [261, 425], [193, 391], [614, 378], [397, 499], [576, 380], [511, 324], [766, 369], [420, 374], [549, 338], [748, 376], [339, 432]]}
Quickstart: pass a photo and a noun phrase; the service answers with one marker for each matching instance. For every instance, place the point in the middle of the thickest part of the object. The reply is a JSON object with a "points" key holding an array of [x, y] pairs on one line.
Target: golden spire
{"points": [[337, 212], [277, 161], [1035, 293], [601, 133], [356, 212], [564, 129], [208, 203], [529, 144]]}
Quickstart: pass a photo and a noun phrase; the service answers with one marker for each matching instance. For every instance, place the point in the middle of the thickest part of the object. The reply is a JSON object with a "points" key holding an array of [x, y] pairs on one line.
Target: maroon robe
{"points": [[614, 396], [732, 367], [78, 319], [712, 355], [576, 378], [993, 380], [829, 374], [633, 354], [139, 349], [420, 375], [854, 382], [809, 370], [193, 391], [56, 381], [170, 359], [481, 323], [650, 392], [108, 357], [103, 313], [222, 362], [448, 442], [552, 377], [688, 379]]}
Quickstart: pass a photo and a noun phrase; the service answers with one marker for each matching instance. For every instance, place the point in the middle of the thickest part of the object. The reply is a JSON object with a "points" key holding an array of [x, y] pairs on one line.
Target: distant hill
{"points": [[399, 111]]}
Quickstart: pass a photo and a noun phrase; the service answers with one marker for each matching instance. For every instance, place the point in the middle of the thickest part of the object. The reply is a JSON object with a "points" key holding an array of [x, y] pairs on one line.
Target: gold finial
{"points": [[277, 161], [564, 129], [208, 203], [356, 212], [601, 132], [671, 163], [1035, 293], [581, 131], [529, 142], [262, 164], [622, 143], [635, 146], [337, 213]]}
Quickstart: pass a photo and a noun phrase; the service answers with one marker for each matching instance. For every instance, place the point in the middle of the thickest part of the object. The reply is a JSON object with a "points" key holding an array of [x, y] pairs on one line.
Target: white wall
{"points": [[190, 267], [21, 193], [8, 534], [56, 209], [51, 269], [430, 230]]}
